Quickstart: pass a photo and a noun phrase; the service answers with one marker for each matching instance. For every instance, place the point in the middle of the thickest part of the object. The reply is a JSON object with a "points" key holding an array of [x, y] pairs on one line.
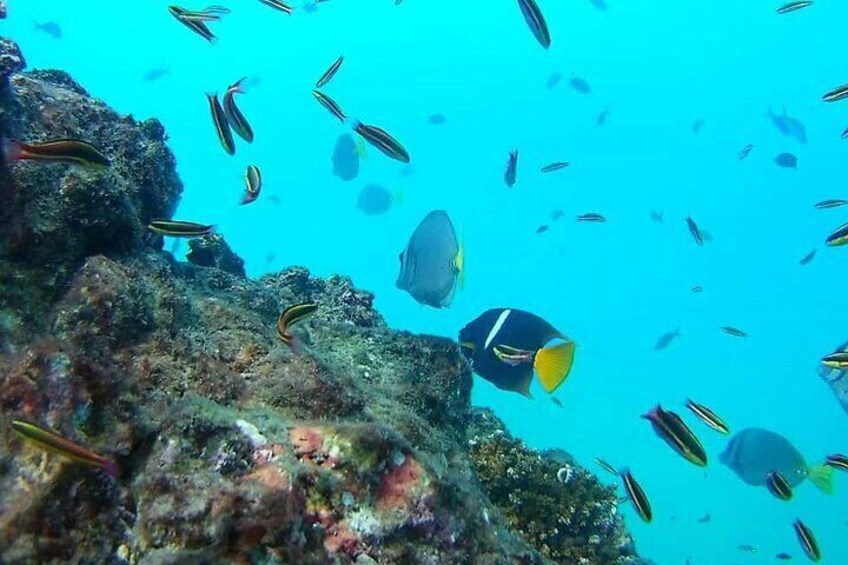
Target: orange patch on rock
{"points": [[306, 441], [270, 477], [339, 539], [399, 486]]}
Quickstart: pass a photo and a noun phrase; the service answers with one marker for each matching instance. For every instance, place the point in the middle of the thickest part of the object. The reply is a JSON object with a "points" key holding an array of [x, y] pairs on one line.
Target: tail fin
{"points": [[459, 265], [399, 197], [822, 477], [553, 364]]}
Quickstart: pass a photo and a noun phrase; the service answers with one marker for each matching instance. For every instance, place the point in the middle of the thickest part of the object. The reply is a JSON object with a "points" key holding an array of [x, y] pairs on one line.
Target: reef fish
{"points": [[177, 228], [234, 116], [506, 345], [671, 429], [807, 258], [71, 151], [511, 168], [778, 486], [838, 93], [330, 72], [553, 80], [55, 443], [837, 379], [345, 158], [374, 199], [535, 21], [591, 217], [792, 6], [156, 74], [279, 5], [707, 416], [666, 339], [745, 151], [555, 166], [222, 126], [838, 237], [786, 161], [837, 461], [330, 104], [380, 139], [807, 540], [580, 85], [433, 261], [695, 230], [789, 126], [291, 316], [753, 453], [252, 184], [437, 119], [50, 28], [830, 203], [637, 496]]}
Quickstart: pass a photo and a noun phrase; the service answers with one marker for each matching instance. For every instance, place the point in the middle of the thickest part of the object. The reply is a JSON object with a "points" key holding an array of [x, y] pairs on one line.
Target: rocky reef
{"points": [[359, 447]]}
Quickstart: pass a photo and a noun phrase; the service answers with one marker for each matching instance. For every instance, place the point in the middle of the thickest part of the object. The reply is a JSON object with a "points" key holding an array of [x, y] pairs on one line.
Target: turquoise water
{"points": [[614, 288]]}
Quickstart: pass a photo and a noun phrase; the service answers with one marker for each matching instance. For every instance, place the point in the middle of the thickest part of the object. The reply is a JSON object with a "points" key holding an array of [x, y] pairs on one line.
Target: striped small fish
{"points": [[535, 21], [838, 237], [671, 429], [606, 466], [176, 228], [707, 416], [235, 118], [695, 231], [252, 184], [279, 5], [736, 332], [637, 496], [591, 217], [837, 461], [329, 104], [807, 540], [778, 485], [222, 127], [330, 72], [70, 151], [830, 203], [838, 93], [838, 360], [55, 443], [792, 6], [555, 166], [291, 316], [383, 141]]}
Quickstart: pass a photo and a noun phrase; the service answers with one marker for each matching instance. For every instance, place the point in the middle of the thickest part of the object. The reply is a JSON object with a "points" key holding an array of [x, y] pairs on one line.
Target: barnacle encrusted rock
{"points": [[232, 447]]}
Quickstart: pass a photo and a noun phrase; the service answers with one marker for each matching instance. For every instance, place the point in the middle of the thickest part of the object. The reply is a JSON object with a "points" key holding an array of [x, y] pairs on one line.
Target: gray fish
{"points": [[553, 80], [50, 28], [789, 126], [511, 168], [345, 158], [156, 74], [580, 85], [432, 261], [374, 200], [753, 453], [786, 161], [602, 117], [535, 21], [666, 339], [837, 379], [657, 216]]}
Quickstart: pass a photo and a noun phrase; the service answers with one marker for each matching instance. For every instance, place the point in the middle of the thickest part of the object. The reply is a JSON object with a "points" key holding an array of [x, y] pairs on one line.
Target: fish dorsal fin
{"points": [[552, 364]]}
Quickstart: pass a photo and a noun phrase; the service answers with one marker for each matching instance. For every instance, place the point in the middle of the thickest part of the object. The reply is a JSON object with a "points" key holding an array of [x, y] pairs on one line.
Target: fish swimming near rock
{"points": [[753, 453], [374, 199], [433, 262], [666, 339], [837, 379], [55, 443], [506, 346], [69, 151], [789, 126], [291, 316], [50, 28], [222, 126], [179, 228], [637, 496], [345, 158]]}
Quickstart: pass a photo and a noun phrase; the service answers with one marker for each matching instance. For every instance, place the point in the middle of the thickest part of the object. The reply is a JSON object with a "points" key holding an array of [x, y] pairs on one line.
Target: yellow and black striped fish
{"points": [[807, 540], [289, 317], [71, 151], [382, 141], [176, 228], [637, 496], [329, 104], [222, 128], [838, 360], [838, 237], [235, 118], [535, 21], [252, 184], [778, 485], [671, 429], [837, 461], [53, 442], [707, 416], [792, 6], [195, 21], [330, 73]]}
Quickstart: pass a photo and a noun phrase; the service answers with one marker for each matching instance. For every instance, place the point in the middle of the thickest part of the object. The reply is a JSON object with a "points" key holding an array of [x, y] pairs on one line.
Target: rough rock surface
{"points": [[232, 448]]}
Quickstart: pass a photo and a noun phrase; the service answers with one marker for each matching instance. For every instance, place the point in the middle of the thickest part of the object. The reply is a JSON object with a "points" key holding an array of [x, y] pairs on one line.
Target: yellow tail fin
{"points": [[553, 363], [822, 477], [399, 197], [459, 264]]}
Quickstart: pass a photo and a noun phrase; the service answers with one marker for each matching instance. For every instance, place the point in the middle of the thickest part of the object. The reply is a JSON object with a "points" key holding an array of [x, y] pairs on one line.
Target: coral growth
{"points": [[231, 446]]}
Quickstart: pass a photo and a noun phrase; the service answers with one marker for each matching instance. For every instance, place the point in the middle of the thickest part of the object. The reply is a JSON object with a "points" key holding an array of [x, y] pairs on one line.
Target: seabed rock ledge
{"points": [[362, 448]]}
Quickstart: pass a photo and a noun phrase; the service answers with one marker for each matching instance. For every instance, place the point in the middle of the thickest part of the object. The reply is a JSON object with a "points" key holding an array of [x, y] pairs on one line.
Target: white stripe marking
{"points": [[496, 328]]}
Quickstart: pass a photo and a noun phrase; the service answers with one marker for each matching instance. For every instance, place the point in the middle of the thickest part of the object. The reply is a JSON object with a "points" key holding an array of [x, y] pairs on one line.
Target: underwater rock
{"points": [[11, 59], [213, 251], [231, 446]]}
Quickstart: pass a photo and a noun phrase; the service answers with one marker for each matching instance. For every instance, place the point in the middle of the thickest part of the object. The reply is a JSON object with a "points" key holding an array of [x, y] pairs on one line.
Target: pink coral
{"points": [[400, 486]]}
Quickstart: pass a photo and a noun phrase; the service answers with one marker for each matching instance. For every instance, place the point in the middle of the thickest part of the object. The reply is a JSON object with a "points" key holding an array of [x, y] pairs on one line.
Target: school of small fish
{"points": [[506, 346]]}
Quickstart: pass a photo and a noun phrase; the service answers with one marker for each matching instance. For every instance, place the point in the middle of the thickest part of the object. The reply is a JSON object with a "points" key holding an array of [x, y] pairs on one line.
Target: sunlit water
{"points": [[615, 287]]}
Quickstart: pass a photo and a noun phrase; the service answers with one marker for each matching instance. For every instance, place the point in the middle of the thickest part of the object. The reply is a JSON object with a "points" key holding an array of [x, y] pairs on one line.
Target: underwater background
{"points": [[614, 288]]}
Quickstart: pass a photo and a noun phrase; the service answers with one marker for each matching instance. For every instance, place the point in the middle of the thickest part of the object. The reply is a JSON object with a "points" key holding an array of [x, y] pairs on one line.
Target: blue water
{"points": [[614, 288]]}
